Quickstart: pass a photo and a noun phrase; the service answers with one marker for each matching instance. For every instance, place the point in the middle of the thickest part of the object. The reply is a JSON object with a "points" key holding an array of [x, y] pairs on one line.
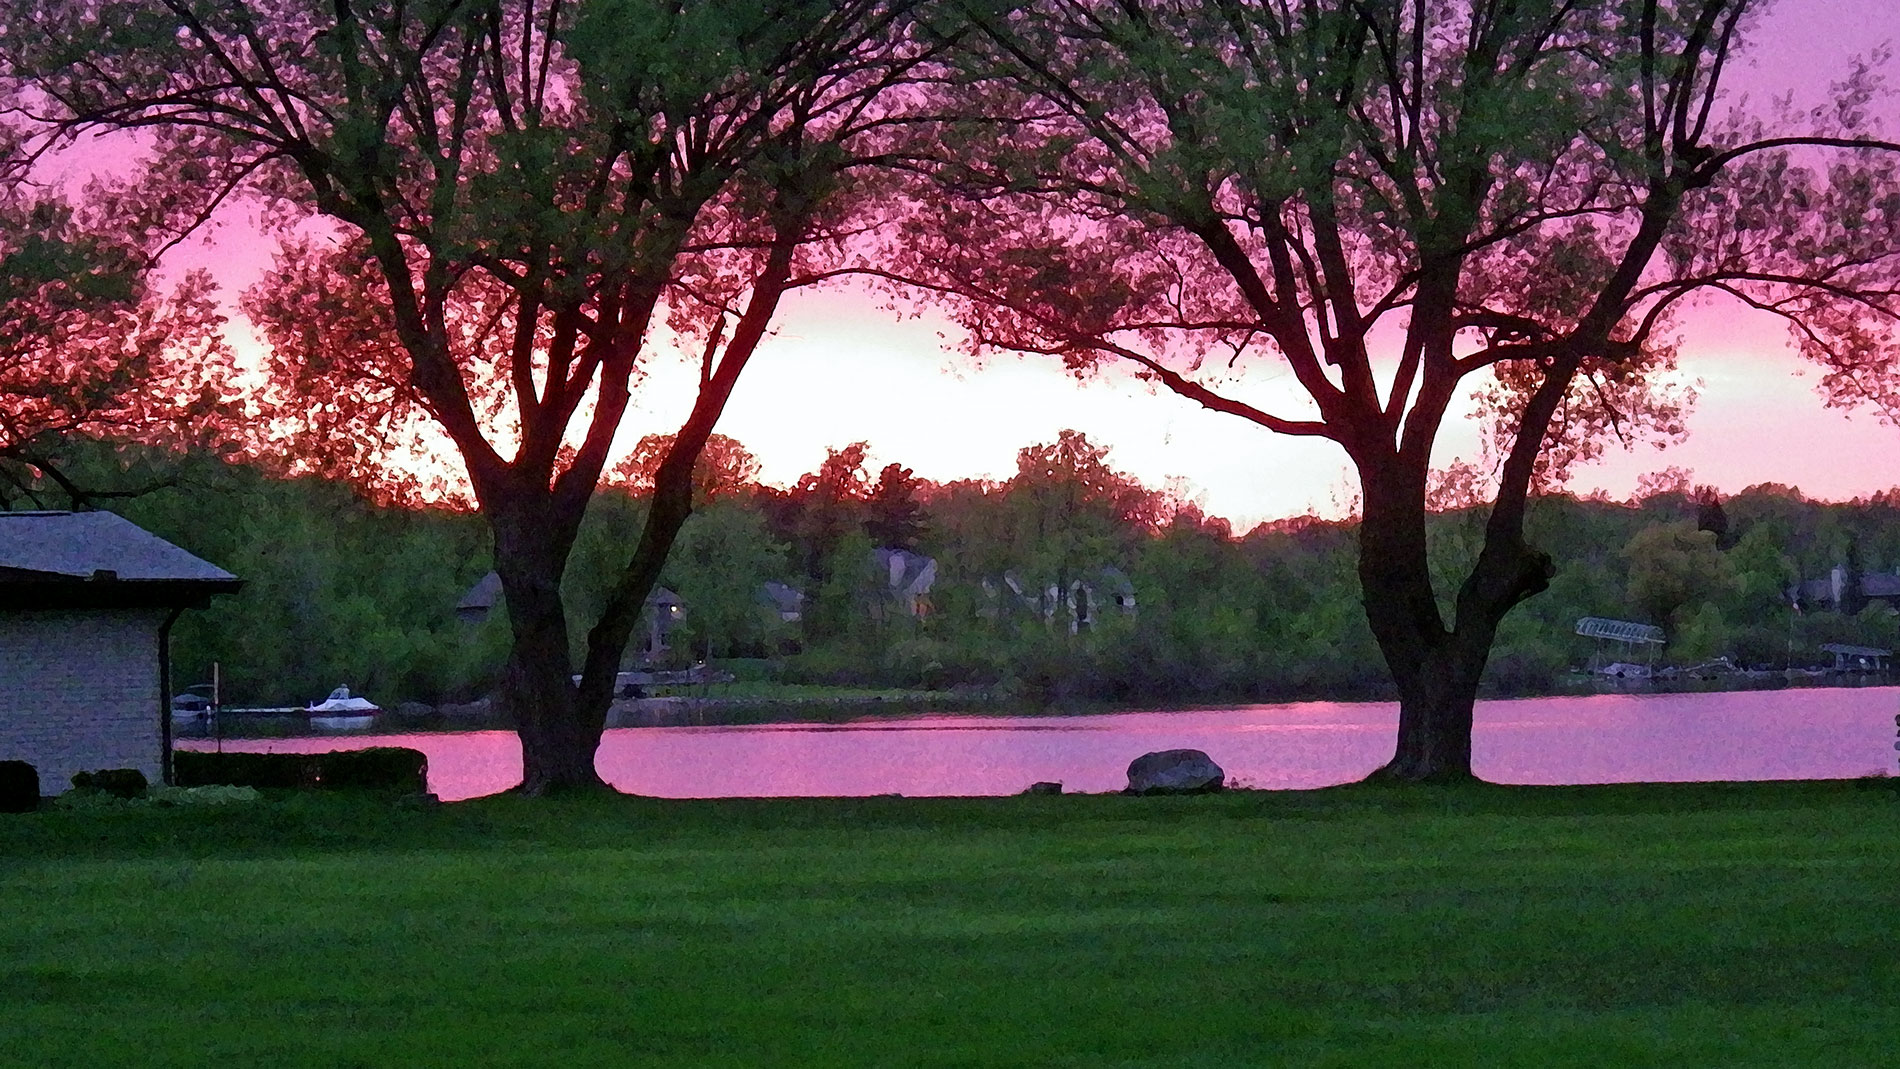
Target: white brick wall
{"points": [[79, 691]]}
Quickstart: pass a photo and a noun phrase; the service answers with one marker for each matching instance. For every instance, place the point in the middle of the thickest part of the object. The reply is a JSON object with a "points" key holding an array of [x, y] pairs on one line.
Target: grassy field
{"points": [[1653, 925]]}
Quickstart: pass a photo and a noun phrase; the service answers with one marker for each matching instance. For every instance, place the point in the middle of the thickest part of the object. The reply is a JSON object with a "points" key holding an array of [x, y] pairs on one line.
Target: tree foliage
{"points": [[91, 343], [1672, 565], [724, 468]]}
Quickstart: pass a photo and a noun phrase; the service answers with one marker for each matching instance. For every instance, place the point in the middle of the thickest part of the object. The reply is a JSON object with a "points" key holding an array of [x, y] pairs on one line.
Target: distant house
{"points": [[907, 579], [1007, 597], [479, 600], [1827, 595], [1080, 604], [1090, 598], [785, 603], [1881, 588], [664, 610], [1857, 658], [87, 602]]}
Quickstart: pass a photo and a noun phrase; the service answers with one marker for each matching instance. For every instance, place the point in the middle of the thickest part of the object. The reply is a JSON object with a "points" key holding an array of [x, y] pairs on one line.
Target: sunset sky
{"points": [[842, 369]]}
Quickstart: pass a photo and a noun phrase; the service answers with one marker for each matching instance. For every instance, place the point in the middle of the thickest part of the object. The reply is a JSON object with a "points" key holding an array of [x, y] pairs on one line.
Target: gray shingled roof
{"points": [[1876, 585], [80, 544], [781, 596], [483, 596]]}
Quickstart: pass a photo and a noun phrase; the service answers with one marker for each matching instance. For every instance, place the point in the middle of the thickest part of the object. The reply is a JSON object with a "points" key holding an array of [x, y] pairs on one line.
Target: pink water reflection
{"points": [[1786, 734]]}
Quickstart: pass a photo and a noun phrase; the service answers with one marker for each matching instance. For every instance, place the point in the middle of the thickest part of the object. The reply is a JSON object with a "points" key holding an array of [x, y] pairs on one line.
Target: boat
{"points": [[189, 706], [340, 710], [1625, 670]]}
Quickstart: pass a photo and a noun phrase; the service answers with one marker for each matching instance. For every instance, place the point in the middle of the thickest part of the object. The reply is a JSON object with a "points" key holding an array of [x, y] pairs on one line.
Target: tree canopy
{"points": [[91, 343]]}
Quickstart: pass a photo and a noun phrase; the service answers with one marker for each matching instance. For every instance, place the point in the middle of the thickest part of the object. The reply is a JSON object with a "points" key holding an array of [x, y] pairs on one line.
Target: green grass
{"points": [[1652, 925]]}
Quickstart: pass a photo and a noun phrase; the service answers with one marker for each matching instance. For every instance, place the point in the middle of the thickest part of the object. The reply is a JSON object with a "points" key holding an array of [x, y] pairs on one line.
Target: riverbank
{"points": [[1682, 925], [761, 703]]}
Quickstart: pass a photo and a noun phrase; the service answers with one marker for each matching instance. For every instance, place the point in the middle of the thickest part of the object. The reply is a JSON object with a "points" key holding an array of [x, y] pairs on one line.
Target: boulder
{"points": [[1174, 772], [1043, 788]]}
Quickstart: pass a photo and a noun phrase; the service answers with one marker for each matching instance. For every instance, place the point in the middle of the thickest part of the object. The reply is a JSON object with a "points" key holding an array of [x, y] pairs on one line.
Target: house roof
{"points": [[90, 559], [905, 571], [482, 596], [1620, 630], [782, 596], [487, 593], [1114, 580], [1814, 590], [1878, 585], [1872, 585]]}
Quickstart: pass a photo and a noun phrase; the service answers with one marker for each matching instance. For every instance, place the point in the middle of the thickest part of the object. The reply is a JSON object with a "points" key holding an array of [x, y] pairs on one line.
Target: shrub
{"points": [[117, 782], [265, 771], [19, 787], [381, 768]]}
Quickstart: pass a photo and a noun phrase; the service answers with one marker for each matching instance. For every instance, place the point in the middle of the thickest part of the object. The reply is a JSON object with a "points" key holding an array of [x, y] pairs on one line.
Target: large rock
{"points": [[1174, 772]]}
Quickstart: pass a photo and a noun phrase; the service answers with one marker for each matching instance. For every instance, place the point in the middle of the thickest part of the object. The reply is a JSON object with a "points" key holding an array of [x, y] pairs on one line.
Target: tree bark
{"points": [[558, 735], [1436, 668]]}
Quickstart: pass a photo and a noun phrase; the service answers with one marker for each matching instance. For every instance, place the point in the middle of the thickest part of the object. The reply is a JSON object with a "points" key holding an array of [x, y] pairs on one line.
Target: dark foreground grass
{"points": [[1707, 925]]}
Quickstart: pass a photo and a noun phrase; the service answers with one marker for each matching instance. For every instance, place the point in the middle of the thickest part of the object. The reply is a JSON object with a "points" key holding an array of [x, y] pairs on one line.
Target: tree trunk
{"points": [[558, 735], [1436, 675], [1435, 668], [1436, 695]]}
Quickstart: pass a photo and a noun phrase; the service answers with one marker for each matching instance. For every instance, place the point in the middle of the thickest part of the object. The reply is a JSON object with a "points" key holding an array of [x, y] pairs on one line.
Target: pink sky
{"points": [[839, 369]]}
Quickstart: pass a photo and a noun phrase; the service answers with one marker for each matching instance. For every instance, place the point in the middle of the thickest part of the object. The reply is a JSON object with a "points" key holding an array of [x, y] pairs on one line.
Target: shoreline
{"points": [[717, 710]]}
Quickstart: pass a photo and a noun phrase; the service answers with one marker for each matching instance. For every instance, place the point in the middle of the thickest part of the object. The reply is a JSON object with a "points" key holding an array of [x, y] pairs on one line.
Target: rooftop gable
{"points": [[87, 545]]}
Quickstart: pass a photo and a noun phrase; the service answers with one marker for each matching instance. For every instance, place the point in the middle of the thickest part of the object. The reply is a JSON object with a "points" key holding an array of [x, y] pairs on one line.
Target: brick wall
{"points": [[79, 691]]}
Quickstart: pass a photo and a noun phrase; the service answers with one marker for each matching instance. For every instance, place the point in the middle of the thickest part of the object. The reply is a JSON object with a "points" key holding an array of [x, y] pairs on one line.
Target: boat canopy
{"points": [[1620, 630]]}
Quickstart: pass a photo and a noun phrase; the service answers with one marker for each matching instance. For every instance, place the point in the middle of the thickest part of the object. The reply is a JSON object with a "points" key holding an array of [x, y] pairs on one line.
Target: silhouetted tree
{"points": [[724, 468], [893, 515], [524, 198], [1710, 516], [824, 506], [1853, 579], [1388, 203]]}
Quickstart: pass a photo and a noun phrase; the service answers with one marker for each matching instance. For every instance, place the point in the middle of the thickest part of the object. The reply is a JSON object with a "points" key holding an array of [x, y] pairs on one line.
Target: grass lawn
{"points": [[1645, 925]]}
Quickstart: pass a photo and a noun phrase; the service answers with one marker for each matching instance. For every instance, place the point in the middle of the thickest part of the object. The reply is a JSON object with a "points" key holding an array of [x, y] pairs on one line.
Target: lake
{"points": [[1809, 733]]}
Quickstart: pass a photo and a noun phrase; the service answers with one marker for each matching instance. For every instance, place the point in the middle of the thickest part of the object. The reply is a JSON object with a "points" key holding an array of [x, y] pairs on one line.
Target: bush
{"points": [[382, 768], [117, 782], [19, 787], [265, 771]]}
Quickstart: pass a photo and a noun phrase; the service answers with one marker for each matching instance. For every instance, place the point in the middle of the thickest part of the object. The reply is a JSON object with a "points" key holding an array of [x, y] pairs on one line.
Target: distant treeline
{"points": [[1067, 582]]}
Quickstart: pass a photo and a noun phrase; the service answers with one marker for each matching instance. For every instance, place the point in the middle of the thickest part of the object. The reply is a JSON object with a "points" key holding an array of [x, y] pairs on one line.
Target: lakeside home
{"points": [[87, 603]]}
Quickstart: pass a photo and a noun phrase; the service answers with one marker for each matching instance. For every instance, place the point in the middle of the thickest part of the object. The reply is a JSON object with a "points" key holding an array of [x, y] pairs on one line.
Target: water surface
{"points": [[1810, 733]]}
